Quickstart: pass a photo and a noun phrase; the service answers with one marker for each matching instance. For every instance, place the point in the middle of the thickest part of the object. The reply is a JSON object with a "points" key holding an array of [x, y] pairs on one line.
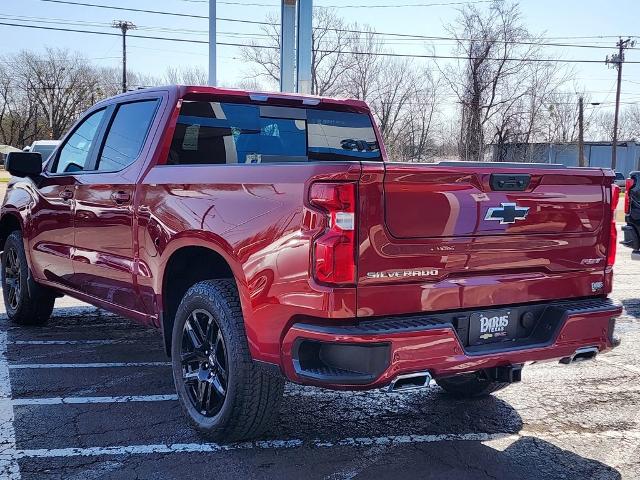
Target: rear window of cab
{"points": [[226, 133]]}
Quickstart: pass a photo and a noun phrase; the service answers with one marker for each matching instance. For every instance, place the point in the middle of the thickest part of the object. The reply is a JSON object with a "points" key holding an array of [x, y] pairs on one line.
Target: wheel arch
{"points": [[9, 222], [189, 260]]}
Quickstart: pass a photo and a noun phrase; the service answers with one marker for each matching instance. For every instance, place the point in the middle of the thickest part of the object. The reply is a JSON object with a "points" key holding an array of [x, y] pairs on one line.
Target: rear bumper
{"points": [[371, 354]]}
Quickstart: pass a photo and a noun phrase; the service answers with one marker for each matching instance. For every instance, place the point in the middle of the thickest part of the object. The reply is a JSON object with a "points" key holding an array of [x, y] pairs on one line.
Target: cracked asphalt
{"points": [[572, 422]]}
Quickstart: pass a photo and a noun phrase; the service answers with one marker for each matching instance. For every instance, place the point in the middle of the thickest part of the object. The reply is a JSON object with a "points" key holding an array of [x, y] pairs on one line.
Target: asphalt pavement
{"points": [[90, 396]]}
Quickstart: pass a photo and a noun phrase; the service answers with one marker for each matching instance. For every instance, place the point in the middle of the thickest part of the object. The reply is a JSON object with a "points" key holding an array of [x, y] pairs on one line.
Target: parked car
{"points": [[632, 215], [44, 147], [5, 150], [269, 237], [620, 181]]}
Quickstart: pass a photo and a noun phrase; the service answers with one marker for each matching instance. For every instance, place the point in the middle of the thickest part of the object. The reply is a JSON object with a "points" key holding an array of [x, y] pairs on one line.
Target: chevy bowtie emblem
{"points": [[507, 213]]}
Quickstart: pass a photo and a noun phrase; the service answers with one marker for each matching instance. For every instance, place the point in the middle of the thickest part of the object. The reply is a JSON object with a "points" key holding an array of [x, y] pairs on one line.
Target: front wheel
{"points": [[470, 385], [27, 303], [224, 393]]}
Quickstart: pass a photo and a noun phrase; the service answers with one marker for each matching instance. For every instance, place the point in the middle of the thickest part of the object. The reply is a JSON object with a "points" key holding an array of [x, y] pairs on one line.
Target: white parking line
{"points": [[391, 440], [9, 467], [73, 342], [83, 400], [88, 365], [267, 444]]}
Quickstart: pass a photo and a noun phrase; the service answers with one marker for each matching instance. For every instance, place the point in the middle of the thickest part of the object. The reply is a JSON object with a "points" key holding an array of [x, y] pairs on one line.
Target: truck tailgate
{"points": [[453, 236]]}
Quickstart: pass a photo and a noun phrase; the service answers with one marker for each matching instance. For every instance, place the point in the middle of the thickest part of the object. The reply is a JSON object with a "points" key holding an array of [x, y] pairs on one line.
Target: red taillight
{"points": [[628, 185], [335, 249], [613, 238]]}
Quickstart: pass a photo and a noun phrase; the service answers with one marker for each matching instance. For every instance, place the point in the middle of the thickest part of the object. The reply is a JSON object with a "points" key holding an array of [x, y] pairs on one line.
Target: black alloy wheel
{"points": [[204, 362], [224, 393], [12, 277], [27, 302]]}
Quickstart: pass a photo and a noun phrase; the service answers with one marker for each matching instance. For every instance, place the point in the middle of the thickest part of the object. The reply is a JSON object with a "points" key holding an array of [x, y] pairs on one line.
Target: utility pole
{"points": [[581, 160], [616, 61], [51, 89], [124, 26]]}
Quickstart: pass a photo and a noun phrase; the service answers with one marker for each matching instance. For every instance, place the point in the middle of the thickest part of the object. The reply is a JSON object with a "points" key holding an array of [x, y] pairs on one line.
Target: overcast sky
{"points": [[554, 18]]}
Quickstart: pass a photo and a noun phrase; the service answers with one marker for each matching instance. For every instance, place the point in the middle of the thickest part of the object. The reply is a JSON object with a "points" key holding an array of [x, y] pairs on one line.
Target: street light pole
{"points": [[305, 46], [287, 45], [212, 43]]}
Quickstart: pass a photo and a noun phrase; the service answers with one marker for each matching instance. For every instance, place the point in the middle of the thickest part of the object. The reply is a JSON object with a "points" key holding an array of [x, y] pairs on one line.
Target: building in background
{"points": [[597, 154]]}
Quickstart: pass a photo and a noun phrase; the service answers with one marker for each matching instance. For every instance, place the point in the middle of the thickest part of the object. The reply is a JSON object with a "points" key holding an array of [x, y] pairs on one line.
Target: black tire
{"points": [[251, 395], [470, 385], [27, 303]]}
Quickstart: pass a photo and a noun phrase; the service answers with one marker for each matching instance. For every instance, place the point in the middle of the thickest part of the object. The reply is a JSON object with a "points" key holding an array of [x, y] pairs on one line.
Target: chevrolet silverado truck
{"points": [[631, 230], [269, 238]]}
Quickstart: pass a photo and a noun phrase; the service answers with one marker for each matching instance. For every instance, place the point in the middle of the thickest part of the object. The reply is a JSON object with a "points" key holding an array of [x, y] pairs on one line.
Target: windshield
{"points": [[211, 132]]}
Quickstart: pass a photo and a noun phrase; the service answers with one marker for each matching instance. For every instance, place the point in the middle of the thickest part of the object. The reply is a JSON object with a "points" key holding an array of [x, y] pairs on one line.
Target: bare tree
{"points": [[42, 94], [64, 85], [19, 122], [491, 83], [628, 124], [329, 42], [361, 79], [189, 75]]}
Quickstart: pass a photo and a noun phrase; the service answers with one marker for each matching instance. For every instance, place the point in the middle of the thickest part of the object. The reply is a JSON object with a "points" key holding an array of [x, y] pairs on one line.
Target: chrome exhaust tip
{"points": [[411, 381], [581, 354]]}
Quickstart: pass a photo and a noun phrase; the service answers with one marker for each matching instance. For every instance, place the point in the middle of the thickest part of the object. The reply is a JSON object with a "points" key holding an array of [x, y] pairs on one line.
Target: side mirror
{"points": [[24, 164]]}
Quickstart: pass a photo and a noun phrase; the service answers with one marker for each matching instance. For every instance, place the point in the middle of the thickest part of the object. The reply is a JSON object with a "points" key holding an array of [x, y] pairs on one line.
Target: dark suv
{"points": [[632, 214]]}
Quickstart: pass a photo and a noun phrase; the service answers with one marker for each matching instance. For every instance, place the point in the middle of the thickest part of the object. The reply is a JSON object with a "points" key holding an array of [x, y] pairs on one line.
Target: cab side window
{"points": [[126, 135], [75, 152]]}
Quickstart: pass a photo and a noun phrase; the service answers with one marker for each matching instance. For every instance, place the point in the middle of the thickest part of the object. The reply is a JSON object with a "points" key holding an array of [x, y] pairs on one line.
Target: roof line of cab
{"points": [[291, 99]]}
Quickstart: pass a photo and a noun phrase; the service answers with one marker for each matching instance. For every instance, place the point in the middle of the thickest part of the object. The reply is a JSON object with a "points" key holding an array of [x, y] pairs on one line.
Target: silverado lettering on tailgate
{"points": [[404, 273]]}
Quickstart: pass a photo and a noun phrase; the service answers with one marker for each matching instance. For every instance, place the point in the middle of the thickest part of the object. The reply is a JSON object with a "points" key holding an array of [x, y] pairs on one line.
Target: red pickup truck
{"points": [[269, 237]]}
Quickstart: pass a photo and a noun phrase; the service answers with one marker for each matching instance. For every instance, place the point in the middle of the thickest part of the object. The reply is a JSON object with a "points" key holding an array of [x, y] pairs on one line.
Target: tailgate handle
{"points": [[502, 182]]}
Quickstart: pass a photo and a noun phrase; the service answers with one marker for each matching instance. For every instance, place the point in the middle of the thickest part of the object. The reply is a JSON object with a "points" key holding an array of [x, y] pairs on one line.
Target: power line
{"points": [[156, 12], [400, 5], [346, 52], [23, 18], [61, 21], [404, 5], [390, 34]]}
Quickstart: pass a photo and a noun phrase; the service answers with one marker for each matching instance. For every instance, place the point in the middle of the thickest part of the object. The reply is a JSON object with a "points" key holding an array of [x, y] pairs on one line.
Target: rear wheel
{"points": [[470, 385], [27, 303], [224, 393]]}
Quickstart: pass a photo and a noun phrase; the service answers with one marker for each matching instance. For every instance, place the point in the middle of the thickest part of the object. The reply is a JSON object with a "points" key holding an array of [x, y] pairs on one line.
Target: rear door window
{"points": [[127, 134], [227, 133]]}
